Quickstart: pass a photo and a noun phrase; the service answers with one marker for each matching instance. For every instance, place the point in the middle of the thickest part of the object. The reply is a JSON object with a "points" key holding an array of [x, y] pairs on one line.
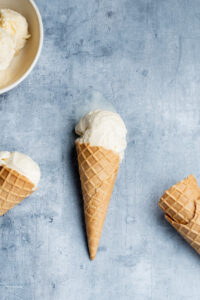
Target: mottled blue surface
{"points": [[144, 57]]}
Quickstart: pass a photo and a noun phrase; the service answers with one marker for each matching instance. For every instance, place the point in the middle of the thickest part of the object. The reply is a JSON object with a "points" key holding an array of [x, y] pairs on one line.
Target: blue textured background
{"points": [[144, 57]]}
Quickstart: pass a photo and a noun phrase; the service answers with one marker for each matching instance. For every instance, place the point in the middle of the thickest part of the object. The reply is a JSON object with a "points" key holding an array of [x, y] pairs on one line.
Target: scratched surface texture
{"points": [[143, 56]]}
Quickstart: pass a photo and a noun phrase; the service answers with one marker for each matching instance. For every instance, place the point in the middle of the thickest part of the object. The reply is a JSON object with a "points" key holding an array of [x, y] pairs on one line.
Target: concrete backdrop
{"points": [[143, 56]]}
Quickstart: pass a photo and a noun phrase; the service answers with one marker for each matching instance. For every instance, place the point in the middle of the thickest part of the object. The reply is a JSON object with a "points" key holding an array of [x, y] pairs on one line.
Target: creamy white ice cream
{"points": [[21, 163], [16, 26], [103, 128], [7, 49]]}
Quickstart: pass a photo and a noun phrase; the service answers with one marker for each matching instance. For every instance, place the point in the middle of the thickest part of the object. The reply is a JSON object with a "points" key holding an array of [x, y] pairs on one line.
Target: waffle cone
{"points": [[14, 187], [191, 231], [181, 205], [98, 169], [179, 201]]}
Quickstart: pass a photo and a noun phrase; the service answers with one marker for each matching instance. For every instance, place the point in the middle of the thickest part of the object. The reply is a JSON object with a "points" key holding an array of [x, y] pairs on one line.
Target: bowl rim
{"points": [[13, 85]]}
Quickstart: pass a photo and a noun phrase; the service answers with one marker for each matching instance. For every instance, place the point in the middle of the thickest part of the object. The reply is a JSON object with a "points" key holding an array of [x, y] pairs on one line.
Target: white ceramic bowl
{"points": [[23, 63]]}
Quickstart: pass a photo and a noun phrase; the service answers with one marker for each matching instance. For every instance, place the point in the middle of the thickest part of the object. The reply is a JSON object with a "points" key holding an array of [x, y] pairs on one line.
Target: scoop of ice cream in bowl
{"points": [[21, 38]]}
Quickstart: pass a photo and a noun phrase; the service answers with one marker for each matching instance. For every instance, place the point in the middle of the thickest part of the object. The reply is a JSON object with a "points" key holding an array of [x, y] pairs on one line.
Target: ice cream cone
{"points": [[181, 205], [98, 169], [179, 201], [14, 187], [191, 231]]}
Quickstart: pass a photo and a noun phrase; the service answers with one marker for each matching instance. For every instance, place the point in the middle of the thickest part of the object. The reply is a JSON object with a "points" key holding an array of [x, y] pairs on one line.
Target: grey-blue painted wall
{"points": [[143, 56]]}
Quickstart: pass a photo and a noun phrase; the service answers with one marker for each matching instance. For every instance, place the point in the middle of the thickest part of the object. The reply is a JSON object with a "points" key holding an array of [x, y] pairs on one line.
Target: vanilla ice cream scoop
{"points": [[21, 163], [16, 26], [7, 49], [103, 128]]}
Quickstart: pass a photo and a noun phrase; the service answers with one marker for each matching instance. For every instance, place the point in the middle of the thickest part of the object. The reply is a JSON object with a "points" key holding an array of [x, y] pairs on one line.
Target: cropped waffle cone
{"points": [[98, 169], [181, 205], [179, 201], [14, 187]]}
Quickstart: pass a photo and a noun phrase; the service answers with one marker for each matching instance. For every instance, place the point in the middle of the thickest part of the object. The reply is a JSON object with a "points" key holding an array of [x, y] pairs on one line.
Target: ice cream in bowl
{"points": [[21, 38]]}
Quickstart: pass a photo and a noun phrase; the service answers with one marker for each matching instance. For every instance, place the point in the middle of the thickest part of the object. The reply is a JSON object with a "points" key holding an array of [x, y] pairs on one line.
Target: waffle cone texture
{"points": [[14, 187], [98, 169], [181, 205]]}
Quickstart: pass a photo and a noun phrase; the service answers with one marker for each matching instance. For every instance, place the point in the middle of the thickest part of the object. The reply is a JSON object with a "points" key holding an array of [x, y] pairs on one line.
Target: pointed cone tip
{"points": [[92, 257], [92, 254]]}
